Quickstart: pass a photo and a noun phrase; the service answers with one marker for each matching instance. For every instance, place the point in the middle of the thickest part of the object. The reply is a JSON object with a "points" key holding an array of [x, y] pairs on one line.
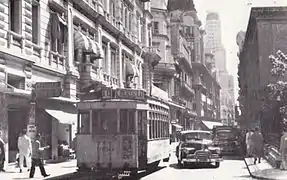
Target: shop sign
{"points": [[133, 94], [48, 89]]}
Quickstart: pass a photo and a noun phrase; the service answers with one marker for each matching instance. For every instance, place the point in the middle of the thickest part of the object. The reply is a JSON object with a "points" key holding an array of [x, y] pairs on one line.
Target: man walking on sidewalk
{"points": [[283, 151], [248, 141], [257, 140], [37, 157], [25, 150], [2, 153]]}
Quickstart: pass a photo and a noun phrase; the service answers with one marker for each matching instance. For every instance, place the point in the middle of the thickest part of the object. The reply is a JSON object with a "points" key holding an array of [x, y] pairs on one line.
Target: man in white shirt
{"points": [[25, 149]]}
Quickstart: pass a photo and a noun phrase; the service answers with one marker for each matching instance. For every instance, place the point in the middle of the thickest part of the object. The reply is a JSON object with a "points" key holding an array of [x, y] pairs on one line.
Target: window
{"points": [[112, 8], [113, 62], [107, 122], [126, 17], [84, 120], [123, 67], [15, 15], [58, 32], [130, 20], [105, 61], [155, 27], [127, 121], [35, 22], [16, 81]]}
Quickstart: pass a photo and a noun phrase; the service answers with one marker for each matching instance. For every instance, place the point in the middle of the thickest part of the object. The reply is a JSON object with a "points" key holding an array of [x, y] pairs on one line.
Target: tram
{"points": [[122, 130]]}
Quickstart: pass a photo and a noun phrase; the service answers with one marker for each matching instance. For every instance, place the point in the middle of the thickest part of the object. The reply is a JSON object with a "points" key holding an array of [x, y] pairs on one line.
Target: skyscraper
{"points": [[213, 45]]}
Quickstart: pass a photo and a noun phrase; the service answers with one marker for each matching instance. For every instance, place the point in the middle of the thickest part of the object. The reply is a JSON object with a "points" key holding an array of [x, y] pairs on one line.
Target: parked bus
{"points": [[121, 130]]}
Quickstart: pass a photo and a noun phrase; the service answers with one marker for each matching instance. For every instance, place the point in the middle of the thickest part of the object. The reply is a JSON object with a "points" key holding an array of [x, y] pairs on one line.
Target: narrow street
{"points": [[230, 169]]}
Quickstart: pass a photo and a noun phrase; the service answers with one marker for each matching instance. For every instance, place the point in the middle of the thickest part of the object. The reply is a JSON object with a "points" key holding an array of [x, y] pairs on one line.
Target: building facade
{"points": [[213, 45], [53, 51], [264, 36], [183, 70]]}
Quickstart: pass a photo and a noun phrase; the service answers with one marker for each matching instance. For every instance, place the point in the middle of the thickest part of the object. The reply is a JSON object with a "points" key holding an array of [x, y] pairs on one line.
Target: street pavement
{"points": [[230, 169]]}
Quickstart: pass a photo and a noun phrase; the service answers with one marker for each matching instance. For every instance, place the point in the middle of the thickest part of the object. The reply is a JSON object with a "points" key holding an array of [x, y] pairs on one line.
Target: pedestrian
{"points": [[258, 143], [248, 142], [37, 157], [283, 151], [2, 153], [25, 150]]}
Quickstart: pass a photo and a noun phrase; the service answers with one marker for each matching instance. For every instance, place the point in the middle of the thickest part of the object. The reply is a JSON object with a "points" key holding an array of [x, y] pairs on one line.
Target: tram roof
{"points": [[194, 131]]}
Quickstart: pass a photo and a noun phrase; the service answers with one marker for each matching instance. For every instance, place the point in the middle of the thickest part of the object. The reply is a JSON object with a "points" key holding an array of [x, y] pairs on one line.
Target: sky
{"points": [[234, 16]]}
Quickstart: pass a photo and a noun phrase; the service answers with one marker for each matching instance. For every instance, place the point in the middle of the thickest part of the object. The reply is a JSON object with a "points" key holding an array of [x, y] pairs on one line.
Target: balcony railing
{"points": [[179, 100]]}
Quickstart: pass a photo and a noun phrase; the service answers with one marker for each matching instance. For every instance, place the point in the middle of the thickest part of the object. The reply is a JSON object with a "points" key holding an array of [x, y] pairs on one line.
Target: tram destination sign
{"points": [[48, 89], [133, 94]]}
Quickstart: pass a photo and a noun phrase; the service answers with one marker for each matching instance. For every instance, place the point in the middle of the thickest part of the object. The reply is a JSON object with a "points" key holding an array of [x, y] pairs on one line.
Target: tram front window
{"points": [[84, 120], [105, 121], [127, 121]]}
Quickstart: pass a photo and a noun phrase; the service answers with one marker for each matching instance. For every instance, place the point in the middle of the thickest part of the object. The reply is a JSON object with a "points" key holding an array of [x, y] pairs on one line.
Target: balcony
{"points": [[178, 100], [168, 68], [188, 87], [199, 84], [152, 55]]}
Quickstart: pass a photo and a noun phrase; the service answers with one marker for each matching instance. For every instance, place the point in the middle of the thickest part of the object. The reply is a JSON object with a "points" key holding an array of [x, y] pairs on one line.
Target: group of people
{"points": [[30, 150], [255, 144]]}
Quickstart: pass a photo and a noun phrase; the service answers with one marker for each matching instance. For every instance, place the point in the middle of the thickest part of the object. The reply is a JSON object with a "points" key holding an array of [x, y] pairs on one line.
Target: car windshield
{"points": [[196, 136], [225, 134]]}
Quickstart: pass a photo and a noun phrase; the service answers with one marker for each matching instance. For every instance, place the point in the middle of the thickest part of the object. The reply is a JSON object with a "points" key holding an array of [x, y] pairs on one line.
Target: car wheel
{"points": [[217, 164], [180, 165]]}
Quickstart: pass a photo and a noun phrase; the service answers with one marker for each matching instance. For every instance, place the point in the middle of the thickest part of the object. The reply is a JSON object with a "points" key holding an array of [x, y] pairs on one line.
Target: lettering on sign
{"points": [[133, 94], [48, 89]]}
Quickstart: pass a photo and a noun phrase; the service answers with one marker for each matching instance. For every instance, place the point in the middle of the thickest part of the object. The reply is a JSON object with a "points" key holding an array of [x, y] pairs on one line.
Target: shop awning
{"points": [[81, 41], [130, 69], [210, 124], [63, 117], [95, 48], [177, 126]]}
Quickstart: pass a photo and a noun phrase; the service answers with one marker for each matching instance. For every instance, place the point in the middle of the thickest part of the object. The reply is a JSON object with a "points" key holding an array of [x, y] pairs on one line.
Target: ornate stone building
{"points": [[184, 71], [66, 48]]}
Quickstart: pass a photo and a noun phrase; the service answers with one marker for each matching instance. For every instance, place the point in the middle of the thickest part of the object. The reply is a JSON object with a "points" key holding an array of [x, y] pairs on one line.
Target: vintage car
{"points": [[195, 147], [227, 139]]}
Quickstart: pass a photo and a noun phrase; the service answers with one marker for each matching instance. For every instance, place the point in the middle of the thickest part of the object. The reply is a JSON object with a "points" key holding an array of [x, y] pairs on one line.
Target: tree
{"points": [[276, 92]]}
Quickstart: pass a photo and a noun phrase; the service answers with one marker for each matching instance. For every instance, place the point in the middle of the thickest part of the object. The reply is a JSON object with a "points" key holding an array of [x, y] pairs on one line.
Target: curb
{"points": [[255, 176]]}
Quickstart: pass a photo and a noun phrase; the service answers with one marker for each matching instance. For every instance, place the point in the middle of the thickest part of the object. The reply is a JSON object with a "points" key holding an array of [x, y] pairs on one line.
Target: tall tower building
{"points": [[213, 45]]}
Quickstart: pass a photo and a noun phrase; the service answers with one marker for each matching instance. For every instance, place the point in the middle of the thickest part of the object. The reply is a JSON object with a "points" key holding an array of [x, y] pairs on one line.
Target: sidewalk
{"points": [[56, 169], [264, 170]]}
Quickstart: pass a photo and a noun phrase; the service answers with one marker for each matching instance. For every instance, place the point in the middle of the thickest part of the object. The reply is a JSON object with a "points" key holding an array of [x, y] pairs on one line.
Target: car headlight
{"points": [[218, 151]]}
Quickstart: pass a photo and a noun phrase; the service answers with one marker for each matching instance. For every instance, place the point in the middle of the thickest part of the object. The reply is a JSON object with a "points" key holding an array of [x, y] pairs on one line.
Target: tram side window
{"points": [[84, 123]]}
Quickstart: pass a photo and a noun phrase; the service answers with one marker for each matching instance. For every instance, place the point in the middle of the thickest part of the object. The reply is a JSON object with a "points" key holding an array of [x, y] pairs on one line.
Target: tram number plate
{"points": [[124, 174]]}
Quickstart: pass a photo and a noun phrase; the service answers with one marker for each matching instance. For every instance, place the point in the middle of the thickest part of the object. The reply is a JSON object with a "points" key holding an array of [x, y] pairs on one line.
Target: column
{"points": [[99, 38], [120, 65], [31, 126], [70, 56], [109, 58]]}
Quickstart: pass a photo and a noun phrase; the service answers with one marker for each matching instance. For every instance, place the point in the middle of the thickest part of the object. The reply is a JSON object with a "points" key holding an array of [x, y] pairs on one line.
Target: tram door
{"points": [[142, 138]]}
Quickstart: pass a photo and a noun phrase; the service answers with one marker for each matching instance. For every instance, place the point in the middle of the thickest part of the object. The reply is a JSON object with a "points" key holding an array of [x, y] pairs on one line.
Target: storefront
{"points": [[56, 120]]}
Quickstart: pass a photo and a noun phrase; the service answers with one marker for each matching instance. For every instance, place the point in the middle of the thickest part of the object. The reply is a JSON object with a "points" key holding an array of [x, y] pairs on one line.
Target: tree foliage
{"points": [[277, 91]]}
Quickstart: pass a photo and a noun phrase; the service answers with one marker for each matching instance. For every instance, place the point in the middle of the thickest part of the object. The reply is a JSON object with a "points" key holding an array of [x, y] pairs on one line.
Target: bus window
{"points": [[84, 120]]}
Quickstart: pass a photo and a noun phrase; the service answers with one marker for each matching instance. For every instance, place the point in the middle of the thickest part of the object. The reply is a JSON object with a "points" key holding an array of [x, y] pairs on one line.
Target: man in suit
{"points": [[37, 157]]}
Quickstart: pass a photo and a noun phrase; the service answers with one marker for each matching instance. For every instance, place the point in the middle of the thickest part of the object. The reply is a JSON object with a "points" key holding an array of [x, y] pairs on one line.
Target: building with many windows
{"points": [[54, 51], [184, 71]]}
